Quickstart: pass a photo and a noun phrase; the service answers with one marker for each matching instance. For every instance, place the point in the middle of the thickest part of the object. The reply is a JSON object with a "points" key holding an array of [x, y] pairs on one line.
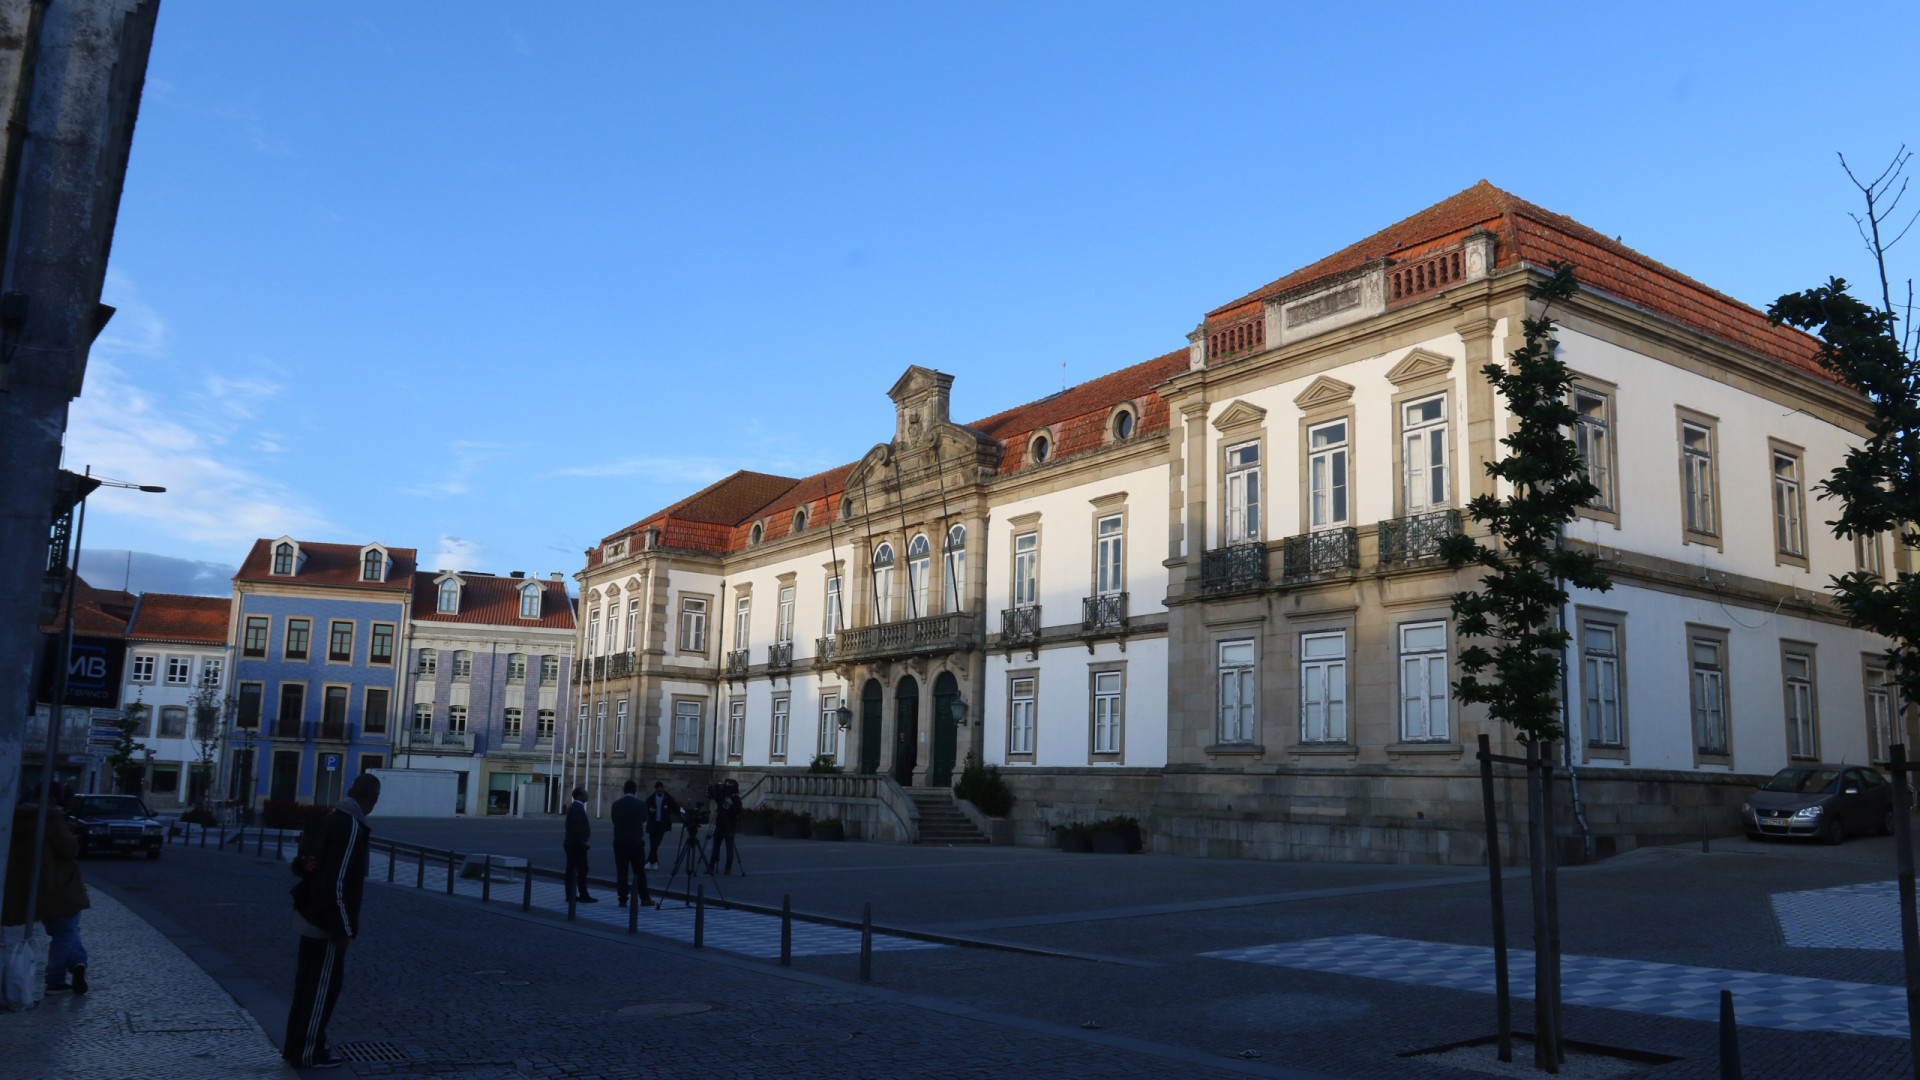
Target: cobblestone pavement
{"points": [[152, 1014], [1865, 916]]}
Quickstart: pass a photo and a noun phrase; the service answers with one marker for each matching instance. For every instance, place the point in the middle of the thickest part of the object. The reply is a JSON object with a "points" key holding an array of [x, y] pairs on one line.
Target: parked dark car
{"points": [[119, 823], [1824, 801]]}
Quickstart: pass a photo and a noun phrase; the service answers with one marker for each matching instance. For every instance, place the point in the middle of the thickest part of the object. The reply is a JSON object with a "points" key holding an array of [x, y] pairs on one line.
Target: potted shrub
{"points": [[823, 763], [757, 822], [1116, 835], [1073, 838], [982, 786], [829, 829], [792, 826]]}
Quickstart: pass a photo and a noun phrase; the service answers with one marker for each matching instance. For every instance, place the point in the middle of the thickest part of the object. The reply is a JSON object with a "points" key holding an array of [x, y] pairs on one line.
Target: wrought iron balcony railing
{"points": [[1416, 536], [1229, 569], [932, 635], [1020, 625], [1316, 553], [738, 661], [823, 649], [598, 668], [288, 727], [1103, 614], [780, 656]]}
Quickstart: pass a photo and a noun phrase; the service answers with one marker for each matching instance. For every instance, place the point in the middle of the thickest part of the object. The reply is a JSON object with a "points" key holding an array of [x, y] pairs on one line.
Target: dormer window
{"points": [[448, 600], [755, 534], [373, 565], [800, 519], [1040, 448], [283, 558], [1123, 424], [530, 602]]}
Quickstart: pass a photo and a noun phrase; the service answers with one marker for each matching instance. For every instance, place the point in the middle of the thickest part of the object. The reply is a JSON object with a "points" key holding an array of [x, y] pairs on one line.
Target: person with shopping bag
{"points": [[61, 894]]}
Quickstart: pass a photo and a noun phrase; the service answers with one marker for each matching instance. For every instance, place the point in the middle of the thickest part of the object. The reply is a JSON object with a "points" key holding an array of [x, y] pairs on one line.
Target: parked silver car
{"points": [[1824, 801]]}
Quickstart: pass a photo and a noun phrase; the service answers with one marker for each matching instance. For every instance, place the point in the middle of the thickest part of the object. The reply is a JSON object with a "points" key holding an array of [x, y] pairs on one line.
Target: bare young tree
{"points": [[209, 711]]}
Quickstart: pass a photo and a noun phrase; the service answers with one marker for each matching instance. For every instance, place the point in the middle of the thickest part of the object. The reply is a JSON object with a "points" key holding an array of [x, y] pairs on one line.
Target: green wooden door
{"points": [[946, 691], [871, 700]]}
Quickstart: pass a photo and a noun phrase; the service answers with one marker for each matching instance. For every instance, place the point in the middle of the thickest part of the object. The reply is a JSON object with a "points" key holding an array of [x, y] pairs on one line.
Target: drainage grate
{"points": [[371, 1052]]}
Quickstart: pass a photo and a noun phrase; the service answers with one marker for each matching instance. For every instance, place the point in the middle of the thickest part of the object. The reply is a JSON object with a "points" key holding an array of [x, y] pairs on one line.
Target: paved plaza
{"points": [[1134, 965]]}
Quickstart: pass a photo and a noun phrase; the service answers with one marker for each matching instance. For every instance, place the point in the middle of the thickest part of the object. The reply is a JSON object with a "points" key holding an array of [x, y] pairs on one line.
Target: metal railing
{"points": [[616, 666], [738, 661], [896, 640], [1103, 614], [1416, 536], [1020, 625], [288, 728], [780, 656], [332, 731], [1323, 552], [1229, 569]]}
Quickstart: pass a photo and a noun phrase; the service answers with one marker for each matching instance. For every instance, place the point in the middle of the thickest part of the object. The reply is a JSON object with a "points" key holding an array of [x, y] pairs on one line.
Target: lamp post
{"points": [[56, 711]]}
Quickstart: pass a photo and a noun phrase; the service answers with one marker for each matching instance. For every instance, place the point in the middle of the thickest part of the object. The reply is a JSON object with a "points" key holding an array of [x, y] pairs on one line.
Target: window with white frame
{"points": [[783, 617], [600, 727], [373, 566], [919, 575], [1423, 682], [1802, 732], [422, 716], [1021, 702], [299, 635], [457, 718], [832, 624], [1600, 683], [530, 601], [429, 662], [212, 668], [1709, 692], [1239, 693], [829, 745], [1881, 733], [544, 721], [1109, 534], [742, 621], [173, 722], [179, 670], [882, 583], [1593, 434], [693, 624], [955, 554], [612, 640], [633, 624], [448, 598], [736, 728], [1867, 554], [380, 644], [1026, 570], [283, 559], [1243, 493], [1327, 457], [1423, 447], [1107, 712], [1789, 537], [549, 670], [462, 665], [144, 665], [620, 726], [593, 632], [516, 667], [582, 731], [254, 643], [510, 723], [686, 728], [1323, 687], [1696, 470], [782, 708]]}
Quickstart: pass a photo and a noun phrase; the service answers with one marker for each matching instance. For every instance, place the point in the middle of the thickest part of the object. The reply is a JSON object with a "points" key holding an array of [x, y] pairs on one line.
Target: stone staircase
{"points": [[941, 822]]}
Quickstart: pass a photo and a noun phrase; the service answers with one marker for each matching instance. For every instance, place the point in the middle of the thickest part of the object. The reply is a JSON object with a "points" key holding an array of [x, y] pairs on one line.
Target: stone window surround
{"points": [[1238, 424], [680, 627], [1023, 757], [1611, 392], [1106, 506], [1410, 391], [1113, 419], [1018, 526], [1401, 743], [1722, 636], [1873, 672], [776, 751], [1313, 625], [1583, 614], [1316, 416], [736, 702], [1799, 456], [1716, 539], [1810, 651], [700, 736], [1096, 668], [1220, 634], [286, 632], [366, 709]]}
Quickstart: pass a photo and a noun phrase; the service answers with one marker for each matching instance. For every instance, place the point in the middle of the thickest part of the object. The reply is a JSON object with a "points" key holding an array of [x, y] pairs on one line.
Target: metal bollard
{"points": [[633, 913], [449, 872], [279, 839], [259, 841], [866, 942], [572, 903], [526, 892], [786, 931], [203, 836], [1703, 832], [420, 878], [486, 881], [700, 917], [1729, 1039], [391, 859], [223, 837]]}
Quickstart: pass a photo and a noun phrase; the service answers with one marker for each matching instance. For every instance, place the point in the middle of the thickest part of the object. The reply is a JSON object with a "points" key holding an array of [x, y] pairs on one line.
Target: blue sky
{"points": [[496, 285]]}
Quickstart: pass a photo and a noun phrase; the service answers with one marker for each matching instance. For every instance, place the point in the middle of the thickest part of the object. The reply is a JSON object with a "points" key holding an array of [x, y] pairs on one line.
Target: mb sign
{"points": [[93, 672]]}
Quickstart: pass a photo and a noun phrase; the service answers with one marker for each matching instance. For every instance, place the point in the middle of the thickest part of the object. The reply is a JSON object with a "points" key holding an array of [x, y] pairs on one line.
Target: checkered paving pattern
{"points": [[1849, 917], [1786, 1002], [744, 932]]}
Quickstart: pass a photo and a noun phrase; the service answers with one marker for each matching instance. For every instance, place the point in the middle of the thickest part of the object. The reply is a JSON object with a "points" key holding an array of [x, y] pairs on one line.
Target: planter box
{"points": [[829, 832], [792, 830], [1073, 841], [756, 826], [1111, 842]]}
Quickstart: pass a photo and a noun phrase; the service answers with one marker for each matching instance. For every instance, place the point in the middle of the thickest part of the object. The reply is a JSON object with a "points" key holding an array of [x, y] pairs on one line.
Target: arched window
{"points": [[800, 519], [882, 583], [530, 602], [1042, 447], [1123, 424], [754, 534], [956, 567], [429, 662], [373, 566], [448, 602], [283, 559], [919, 570]]}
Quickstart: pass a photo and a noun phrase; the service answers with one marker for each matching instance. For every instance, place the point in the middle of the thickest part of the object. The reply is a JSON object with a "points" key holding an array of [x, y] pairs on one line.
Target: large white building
{"points": [[1203, 590], [177, 666]]}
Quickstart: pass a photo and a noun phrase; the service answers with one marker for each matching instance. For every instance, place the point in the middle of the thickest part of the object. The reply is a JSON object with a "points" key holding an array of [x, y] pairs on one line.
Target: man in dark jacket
{"points": [[575, 845], [726, 822], [661, 810], [332, 867], [61, 894], [629, 816]]}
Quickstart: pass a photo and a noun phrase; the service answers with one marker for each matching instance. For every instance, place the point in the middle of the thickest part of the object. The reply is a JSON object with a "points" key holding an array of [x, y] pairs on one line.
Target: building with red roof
{"points": [[1274, 679], [176, 683]]}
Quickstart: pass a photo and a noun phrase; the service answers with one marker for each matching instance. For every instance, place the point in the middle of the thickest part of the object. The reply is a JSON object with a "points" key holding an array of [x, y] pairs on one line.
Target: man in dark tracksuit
{"points": [[629, 816], [661, 810], [332, 864], [726, 822], [575, 843]]}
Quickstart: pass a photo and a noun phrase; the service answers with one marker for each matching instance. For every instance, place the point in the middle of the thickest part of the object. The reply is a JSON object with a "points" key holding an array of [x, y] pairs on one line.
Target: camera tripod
{"points": [[691, 860]]}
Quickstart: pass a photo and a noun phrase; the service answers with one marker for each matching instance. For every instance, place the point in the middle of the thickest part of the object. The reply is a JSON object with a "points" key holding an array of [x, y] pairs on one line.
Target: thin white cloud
{"points": [[458, 477], [455, 553], [694, 470]]}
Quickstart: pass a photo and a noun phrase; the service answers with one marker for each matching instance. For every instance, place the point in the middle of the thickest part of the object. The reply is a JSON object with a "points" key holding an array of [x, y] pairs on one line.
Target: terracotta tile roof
{"points": [[494, 601], [328, 564], [97, 612], [168, 617], [1527, 233], [1078, 414]]}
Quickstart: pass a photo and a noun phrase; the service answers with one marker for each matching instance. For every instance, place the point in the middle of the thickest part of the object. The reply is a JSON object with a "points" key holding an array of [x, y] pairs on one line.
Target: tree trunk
{"points": [[1545, 1056]]}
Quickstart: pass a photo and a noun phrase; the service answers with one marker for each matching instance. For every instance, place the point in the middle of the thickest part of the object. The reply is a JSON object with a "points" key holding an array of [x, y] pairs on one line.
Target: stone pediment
{"points": [[1419, 364], [1239, 414], [1322, 392]]}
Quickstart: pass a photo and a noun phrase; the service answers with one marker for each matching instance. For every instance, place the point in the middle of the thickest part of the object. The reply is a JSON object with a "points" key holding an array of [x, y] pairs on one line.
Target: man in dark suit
{"points": [[331, 867], [661, 810], [629, 816], [726, 821], [575, 845]]}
